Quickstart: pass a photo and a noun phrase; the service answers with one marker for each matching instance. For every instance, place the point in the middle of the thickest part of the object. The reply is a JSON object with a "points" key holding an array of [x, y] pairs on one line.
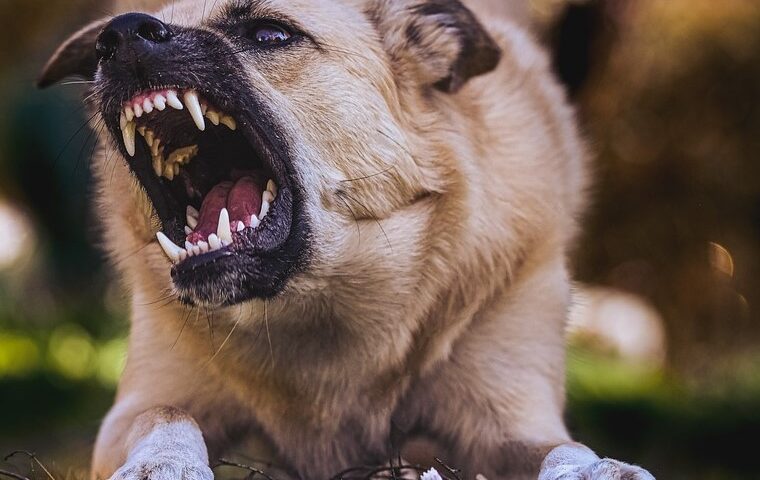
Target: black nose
{"points": [[138, 30]]}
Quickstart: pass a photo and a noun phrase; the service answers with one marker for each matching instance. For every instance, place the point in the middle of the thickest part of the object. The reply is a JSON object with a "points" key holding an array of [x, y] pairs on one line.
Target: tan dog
{"points": [[381, 193]]}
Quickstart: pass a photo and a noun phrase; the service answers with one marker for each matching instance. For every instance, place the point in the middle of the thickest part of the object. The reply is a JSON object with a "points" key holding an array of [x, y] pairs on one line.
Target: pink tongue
{"points": [[242, 199]]}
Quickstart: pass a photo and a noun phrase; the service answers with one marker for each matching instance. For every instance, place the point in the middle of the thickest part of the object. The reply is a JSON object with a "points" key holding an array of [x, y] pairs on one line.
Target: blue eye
{"points": [[268, 34]]}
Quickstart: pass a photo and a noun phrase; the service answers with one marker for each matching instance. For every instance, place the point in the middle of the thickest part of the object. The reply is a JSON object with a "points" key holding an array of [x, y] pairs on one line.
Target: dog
{"points": [[344, 226]]}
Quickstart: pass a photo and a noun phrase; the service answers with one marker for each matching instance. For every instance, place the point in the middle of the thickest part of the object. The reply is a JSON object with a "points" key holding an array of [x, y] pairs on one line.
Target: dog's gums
{"points": [[233, 205]]}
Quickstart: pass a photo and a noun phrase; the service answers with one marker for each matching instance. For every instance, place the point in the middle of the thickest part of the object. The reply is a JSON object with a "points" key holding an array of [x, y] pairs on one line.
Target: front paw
{"points": [[577, 462], [163, 466]]}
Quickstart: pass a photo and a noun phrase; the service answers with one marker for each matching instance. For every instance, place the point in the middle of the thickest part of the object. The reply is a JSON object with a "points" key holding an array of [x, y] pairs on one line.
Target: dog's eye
{"points": [[268, 34]]}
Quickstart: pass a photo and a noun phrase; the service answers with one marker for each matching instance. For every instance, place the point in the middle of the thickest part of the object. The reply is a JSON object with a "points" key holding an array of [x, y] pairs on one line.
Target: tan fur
{"points": [[437, 293]]}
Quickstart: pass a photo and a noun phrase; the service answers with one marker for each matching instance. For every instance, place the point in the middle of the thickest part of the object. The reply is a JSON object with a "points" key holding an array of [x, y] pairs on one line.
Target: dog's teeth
{"points": [[170, 248], [228, 122], [183, 155], [192, 216], [272, 187], [129, 113], [223, 228], [154, 147], [149, 137], [240, 226], [255, 222], [204, 107], [183, 255], [147, 105], [196, 250], [175, 167], [264, 209], [213, 242], [128, 134], [158, 164], [122, 120], [267, 196], [141, 131], [169, 171], [138, 110], [203, 246], [159, 101], [188, 230], [213, 116], [188, 245], [194, 107], [173, 101]]}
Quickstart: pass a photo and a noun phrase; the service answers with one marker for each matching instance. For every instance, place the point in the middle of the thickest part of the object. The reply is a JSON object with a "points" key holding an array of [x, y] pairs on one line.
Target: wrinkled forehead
{"points": [[314, 16]]}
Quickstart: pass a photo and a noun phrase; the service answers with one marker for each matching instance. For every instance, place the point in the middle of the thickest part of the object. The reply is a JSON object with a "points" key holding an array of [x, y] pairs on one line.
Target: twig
{"points": [[32, 456], [254, 471], [13, 475]]}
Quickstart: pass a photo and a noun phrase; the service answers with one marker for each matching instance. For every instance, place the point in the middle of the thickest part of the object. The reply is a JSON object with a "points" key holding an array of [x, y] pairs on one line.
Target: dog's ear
{"points": [[75, 57], [440, 40]]}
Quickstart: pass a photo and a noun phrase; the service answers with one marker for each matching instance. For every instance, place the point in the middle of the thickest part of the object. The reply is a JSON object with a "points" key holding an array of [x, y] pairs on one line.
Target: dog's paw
{"points": [[577, 462], [163, 467]]}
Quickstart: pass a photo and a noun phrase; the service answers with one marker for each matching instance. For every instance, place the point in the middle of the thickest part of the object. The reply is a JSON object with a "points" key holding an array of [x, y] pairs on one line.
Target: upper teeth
{"points": [[224, 230], [157, 101]]}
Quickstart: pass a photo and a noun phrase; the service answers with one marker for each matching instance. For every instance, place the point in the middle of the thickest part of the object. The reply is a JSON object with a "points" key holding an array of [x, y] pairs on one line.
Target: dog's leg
{"points": [[162, 443], [499, 399]]}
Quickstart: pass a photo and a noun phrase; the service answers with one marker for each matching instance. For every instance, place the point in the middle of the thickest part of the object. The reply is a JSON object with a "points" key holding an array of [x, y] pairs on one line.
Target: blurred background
{"points": [[664, 363]]}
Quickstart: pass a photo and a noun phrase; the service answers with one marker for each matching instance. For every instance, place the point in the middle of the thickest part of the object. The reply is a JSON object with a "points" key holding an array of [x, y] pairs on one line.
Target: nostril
{"points": [[153, 30], [106, 44]]}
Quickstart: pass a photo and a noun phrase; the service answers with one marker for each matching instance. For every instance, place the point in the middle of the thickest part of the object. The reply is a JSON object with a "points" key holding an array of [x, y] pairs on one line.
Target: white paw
{"points": [[608, 469], [163, 466], [577, 462]]}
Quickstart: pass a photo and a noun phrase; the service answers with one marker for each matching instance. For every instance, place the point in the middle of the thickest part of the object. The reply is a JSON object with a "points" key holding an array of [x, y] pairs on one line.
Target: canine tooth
{"points": [[122, 120], [228, 122], [128, 134], [267, 196], [147, 105], [173, 101], [170, 248], [194, 107], [129, 113], [192, 216], [255, 222], [272, 187], [213, 116], [203, 246], [213, 242], [158, 164], [138, 110], [223, 228], [264, 209], [188, 230], [183, 254]]}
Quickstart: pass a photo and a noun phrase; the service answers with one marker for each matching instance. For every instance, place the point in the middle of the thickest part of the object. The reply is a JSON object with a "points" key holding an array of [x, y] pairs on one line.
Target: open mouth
{"points": [[221, 188], [204, 165]]}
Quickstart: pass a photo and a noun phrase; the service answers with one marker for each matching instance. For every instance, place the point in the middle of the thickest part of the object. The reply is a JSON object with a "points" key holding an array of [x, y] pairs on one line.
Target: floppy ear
{"points": [[75, 57], [441, 41]]}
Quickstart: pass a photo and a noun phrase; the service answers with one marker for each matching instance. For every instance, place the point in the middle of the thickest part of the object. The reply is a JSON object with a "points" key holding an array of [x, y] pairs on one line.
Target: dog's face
{"points": [[260, 131]]}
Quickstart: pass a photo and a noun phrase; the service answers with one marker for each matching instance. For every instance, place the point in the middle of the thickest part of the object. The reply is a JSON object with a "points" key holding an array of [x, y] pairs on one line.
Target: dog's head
{"points": [[259, 131]]}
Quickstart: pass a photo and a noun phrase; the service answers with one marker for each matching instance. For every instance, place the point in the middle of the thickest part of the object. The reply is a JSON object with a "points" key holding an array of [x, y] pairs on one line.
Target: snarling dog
{"points": [[344, 227]]}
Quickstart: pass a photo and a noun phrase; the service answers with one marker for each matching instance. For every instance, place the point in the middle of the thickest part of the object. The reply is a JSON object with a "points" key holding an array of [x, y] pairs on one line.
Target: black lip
{"points": [[256, 264]]}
